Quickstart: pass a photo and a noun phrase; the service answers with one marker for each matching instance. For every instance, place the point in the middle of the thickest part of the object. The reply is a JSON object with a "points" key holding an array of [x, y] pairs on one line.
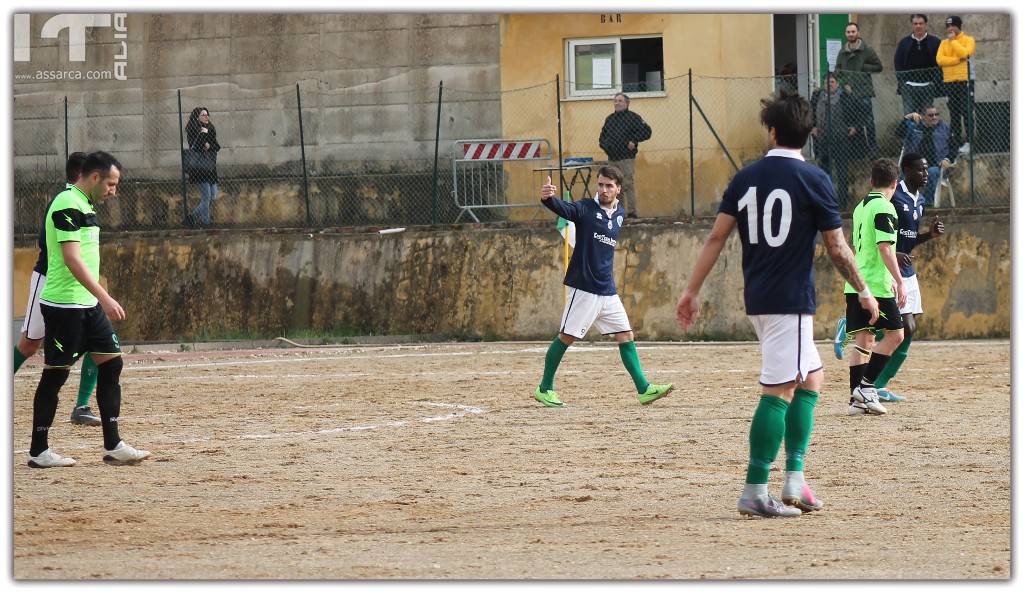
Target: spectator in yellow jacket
{"points": [[954, 54]]}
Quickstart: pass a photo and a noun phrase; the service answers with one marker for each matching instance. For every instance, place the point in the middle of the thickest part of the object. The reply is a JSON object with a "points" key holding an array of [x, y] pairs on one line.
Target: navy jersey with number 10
{"points": [[780, 203]]}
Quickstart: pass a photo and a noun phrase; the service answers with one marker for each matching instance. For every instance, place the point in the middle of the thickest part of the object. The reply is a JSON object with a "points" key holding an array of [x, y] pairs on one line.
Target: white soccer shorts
{"points": [[788, 352], [584, 309], [913, 290], [33, 325]]}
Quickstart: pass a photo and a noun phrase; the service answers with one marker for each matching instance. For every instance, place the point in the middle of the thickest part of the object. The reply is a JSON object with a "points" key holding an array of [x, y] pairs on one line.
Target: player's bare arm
{"points": [[843, 260], [938, 228], [73, 259], [888, 252], [687, 308]]}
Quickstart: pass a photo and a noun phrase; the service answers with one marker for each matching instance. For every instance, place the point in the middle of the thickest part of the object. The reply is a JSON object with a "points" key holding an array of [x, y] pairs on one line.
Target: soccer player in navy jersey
{"points": [[779, 204], [592, 295], [909, 206]]}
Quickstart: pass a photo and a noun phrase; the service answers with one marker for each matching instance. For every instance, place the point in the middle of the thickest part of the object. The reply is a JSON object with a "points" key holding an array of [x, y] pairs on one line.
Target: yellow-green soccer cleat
{"points": [[549, 398], [654, 392]]}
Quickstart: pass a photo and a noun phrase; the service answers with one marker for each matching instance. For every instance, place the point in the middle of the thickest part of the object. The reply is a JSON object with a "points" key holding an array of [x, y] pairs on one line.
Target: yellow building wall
{"points": [[731, 58]]}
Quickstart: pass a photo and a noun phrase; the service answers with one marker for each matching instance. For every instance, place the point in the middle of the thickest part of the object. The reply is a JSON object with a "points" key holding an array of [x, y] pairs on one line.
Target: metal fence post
{"points": [[693, 201], [437, 140], [302, 144], [558, 109], [181, 150], [67, 141], [970, 131]]}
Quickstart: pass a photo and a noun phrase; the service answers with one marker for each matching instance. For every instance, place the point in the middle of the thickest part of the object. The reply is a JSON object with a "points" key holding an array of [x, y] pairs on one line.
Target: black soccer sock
{"points": [[44, 408], [856, 372], [108, 396], [874, 368]]}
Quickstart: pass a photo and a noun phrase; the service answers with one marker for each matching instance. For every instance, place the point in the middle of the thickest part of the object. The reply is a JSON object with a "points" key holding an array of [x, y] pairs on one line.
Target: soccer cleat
{"points": [[887, 396], [801, 496], [49, 459], [839, 343], [84, 415], [124, 454], [766, 506], [654, 392], [549, 398], [869, 398]]}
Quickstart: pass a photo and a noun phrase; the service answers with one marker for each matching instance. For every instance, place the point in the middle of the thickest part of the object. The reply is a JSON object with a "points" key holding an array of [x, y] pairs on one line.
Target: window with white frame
{"points": [[603, 66]]}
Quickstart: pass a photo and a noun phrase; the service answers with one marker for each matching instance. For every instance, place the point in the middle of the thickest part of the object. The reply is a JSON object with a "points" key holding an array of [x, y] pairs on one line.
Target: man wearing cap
{"points": [[953, 56]]}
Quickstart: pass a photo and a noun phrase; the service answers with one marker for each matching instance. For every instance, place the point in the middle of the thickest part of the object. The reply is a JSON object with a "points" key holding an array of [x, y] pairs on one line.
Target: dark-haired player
{"points": [[874, 242], [32, 330], [779, 205], [592, 296], [75, 312]]}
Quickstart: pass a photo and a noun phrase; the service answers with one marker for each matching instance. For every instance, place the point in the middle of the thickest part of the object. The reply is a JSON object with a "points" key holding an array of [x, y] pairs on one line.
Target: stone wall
{"points": [[490, 281]]}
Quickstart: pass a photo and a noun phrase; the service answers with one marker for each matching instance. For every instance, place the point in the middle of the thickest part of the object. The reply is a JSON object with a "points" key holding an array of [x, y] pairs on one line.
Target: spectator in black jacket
{"points": [[202, 162], [835, 129], [621, 136], [917, 74]]}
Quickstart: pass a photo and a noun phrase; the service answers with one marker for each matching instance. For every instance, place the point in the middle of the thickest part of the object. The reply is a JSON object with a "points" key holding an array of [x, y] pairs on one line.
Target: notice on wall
{"points": [[602, 73], [832, 49]]}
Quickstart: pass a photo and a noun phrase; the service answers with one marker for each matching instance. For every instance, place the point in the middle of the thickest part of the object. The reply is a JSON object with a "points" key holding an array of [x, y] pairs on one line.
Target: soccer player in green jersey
{"points": [[874, 244], [75, 311], [32, 329]]}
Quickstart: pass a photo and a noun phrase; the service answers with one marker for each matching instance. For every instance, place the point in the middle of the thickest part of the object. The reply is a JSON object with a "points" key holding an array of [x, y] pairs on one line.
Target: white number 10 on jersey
{"points": [[777, 196]]}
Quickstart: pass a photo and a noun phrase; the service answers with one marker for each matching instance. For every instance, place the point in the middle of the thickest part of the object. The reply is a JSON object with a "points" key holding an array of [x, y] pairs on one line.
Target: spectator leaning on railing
{"points": [[917, 73], [954, 54], [929, 136], [854, 66]]}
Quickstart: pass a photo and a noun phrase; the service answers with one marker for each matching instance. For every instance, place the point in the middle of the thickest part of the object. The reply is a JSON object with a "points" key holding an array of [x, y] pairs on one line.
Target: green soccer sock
{"points": [[799, 424], [88, 383], [893, 366], [18, 359], [551, 361], [631, 360], [766, 432]]}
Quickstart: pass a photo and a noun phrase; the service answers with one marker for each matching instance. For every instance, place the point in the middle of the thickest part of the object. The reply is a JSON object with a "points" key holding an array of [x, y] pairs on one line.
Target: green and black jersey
{"points": [[874, 222], [70, 217]]}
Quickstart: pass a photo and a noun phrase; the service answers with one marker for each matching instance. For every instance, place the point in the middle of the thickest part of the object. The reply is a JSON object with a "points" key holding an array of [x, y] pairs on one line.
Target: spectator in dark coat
{"points": [[202, 161], [621, 136], [854, 66], [835, 131], [917, 74]]}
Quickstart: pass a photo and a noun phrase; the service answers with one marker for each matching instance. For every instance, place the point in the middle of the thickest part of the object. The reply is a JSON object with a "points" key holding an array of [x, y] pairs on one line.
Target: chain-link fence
{"points": [[385, 155]]}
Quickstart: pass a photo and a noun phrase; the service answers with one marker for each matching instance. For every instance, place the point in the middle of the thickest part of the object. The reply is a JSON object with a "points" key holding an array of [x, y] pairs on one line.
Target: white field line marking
{"points": [[461, 410], [300, 359]]}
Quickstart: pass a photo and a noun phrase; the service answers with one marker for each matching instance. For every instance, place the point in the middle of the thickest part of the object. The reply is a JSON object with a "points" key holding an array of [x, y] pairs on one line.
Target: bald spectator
{"points": [[621, 136]]}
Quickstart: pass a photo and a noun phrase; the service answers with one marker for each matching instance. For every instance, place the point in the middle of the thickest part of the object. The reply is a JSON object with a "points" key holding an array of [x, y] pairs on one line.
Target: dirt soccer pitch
{"points": [[433, 461]]}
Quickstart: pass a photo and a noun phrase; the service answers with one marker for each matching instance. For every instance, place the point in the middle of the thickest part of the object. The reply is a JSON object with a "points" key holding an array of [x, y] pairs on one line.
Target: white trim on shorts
{"points": [[583, 309], [33, 326], [788, 352], [913, 290]]}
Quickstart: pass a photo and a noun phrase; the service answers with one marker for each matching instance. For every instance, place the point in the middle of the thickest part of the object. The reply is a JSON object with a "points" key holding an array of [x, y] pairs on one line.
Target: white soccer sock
{"points": [[755, 491], [794, 479]]}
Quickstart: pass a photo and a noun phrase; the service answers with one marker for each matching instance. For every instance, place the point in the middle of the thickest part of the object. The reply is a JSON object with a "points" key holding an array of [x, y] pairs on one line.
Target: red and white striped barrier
{"points": [[498, 150]]}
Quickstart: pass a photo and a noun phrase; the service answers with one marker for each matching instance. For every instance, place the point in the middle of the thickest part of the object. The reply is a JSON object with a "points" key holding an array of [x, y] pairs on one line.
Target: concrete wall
{"points": [[369, 83], [489, 281]]}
